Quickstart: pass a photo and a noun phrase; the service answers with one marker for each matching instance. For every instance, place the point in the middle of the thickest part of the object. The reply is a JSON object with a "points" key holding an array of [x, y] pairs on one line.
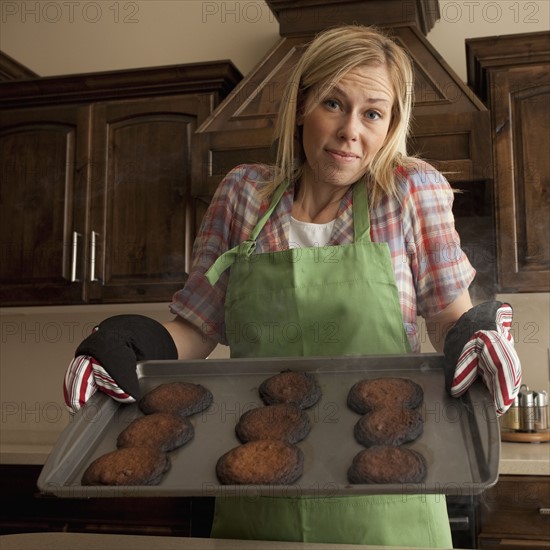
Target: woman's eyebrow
{"points": [[339, 91]]}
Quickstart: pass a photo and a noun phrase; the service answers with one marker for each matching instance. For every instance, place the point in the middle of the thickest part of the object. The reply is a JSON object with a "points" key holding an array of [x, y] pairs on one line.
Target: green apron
{"points": [[322, 301]]}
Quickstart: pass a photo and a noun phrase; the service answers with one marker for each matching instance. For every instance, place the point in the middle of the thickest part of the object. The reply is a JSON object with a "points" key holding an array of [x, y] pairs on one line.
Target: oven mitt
{"points": [[481, 344], [83, 378], [107, 358]]}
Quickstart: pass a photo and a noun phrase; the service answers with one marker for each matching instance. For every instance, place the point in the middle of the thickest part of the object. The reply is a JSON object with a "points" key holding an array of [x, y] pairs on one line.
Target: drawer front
{"points": [[517, 505], [511, 544]]}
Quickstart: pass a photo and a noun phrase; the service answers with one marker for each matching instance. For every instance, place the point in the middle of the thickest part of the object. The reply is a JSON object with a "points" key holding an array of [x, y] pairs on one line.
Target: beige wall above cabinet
{"points": [[95, 195], [512, 75]]}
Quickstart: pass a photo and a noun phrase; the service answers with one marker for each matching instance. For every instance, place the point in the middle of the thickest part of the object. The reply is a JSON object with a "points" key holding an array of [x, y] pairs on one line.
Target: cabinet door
{"points": [[520, 101], [42, 162], [141, 215], [516, 509], [512, 544]]}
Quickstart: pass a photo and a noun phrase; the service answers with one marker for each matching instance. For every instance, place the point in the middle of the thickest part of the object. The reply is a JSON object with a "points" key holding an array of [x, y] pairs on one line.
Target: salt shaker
{"points": [[510, 419]]}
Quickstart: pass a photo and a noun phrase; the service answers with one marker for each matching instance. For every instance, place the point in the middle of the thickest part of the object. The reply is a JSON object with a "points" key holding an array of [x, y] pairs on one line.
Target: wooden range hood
{"points": [[451, 125]]}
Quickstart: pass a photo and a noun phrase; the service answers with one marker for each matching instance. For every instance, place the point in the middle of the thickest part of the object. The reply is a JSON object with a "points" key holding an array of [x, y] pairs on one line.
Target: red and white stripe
{"points": [[83, 378], [79, 384], [108, 385], [491, 354]]}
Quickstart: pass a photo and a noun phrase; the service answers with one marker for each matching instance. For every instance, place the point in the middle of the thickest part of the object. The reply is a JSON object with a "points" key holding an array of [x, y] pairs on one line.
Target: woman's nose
{"points": [[349, 129]]}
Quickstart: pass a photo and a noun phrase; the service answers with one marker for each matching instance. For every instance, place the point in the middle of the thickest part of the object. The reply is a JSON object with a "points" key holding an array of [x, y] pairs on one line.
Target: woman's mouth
{"points": [[342, 156]]}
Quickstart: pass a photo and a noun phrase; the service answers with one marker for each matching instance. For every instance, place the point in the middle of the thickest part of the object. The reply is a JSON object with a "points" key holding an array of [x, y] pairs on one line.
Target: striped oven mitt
{"points": [[106, 360], [83, 378], [481, 344]]}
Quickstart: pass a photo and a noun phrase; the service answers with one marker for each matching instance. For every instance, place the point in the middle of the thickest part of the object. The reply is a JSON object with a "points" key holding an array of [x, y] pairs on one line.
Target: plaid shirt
{"points": [[430, 268]]}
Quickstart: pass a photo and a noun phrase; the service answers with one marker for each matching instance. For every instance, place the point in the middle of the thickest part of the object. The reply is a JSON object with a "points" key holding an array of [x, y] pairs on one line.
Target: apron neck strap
{"points": [[361, 229], [361, 218], [246, 247], [272, 205]]}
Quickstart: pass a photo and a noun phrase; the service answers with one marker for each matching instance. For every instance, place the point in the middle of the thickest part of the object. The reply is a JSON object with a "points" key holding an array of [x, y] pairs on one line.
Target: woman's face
{"points": [[342, 133]]}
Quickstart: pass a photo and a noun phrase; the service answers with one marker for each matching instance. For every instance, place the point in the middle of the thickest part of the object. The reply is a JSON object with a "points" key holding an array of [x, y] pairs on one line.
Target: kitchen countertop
{"points": [[26, 446], [532, 459], [69, 541]]}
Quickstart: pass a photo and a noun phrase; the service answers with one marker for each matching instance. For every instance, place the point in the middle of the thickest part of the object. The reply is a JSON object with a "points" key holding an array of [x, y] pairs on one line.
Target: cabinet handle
{"points": [[544, 511], [93, 239], [459, 523], [74, 257]]}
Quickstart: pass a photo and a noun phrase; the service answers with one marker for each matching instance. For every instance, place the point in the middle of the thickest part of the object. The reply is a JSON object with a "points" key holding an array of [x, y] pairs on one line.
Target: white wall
{"points": [[61, 37]]}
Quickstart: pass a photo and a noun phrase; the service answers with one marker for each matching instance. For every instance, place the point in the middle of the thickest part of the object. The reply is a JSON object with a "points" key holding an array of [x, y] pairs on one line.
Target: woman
{"points": [[345, 233]]}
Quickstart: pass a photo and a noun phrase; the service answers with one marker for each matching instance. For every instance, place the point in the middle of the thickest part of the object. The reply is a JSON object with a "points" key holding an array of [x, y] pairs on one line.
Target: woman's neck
{"points": [[316, 204]]}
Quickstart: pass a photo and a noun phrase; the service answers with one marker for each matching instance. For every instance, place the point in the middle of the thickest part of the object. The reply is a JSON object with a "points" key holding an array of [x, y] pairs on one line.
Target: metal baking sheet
{"points": [[460, 441]]}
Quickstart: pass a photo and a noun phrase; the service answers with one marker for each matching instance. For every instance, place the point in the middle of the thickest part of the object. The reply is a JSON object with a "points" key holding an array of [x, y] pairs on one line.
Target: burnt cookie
{"points": [[128, 466], [370, 394], [388, 427], [298, 388], [284, 421], [163, 431], [262, 462], [182, 398], [388, 464]]}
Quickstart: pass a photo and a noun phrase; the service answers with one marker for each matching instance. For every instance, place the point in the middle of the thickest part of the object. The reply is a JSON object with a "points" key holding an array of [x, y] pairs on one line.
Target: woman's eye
{"points": [[373, 115], [332, 104]]}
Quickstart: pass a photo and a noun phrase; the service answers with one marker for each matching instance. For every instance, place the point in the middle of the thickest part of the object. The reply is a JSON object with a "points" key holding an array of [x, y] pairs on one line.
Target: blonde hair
{"points": [[331, 55]]}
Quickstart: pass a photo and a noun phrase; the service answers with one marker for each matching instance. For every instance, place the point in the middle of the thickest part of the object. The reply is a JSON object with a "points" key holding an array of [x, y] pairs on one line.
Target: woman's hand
{"points": [[481, 344], [107, 359], [83, 378]]}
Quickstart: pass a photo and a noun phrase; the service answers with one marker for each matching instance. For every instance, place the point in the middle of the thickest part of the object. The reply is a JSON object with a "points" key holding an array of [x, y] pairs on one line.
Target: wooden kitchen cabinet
{"points": [[515, 514], [512, 75], [25, 510], [140, 205], [10, 69], [42, 210], [96, 175]]}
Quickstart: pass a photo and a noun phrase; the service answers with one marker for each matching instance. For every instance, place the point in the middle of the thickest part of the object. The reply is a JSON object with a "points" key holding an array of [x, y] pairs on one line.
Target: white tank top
{"points": [[306, 234]]}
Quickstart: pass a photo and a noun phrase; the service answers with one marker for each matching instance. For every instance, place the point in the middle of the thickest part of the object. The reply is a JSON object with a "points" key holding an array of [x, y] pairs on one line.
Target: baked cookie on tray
{"points": [[387, 464], [128, 466], [182, 398], [284, 421], [261, 462], [163, 431], [388, 426], [374, 393], [299, 388]]}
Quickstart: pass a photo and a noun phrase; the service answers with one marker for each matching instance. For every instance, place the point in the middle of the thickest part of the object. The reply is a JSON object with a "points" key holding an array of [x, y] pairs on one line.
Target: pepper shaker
{"points": [[526, 409], [541, 410]]}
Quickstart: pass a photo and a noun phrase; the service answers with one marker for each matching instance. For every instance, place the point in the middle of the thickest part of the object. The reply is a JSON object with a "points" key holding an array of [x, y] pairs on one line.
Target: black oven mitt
{"points": [[106, 359], [481, 344]]}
